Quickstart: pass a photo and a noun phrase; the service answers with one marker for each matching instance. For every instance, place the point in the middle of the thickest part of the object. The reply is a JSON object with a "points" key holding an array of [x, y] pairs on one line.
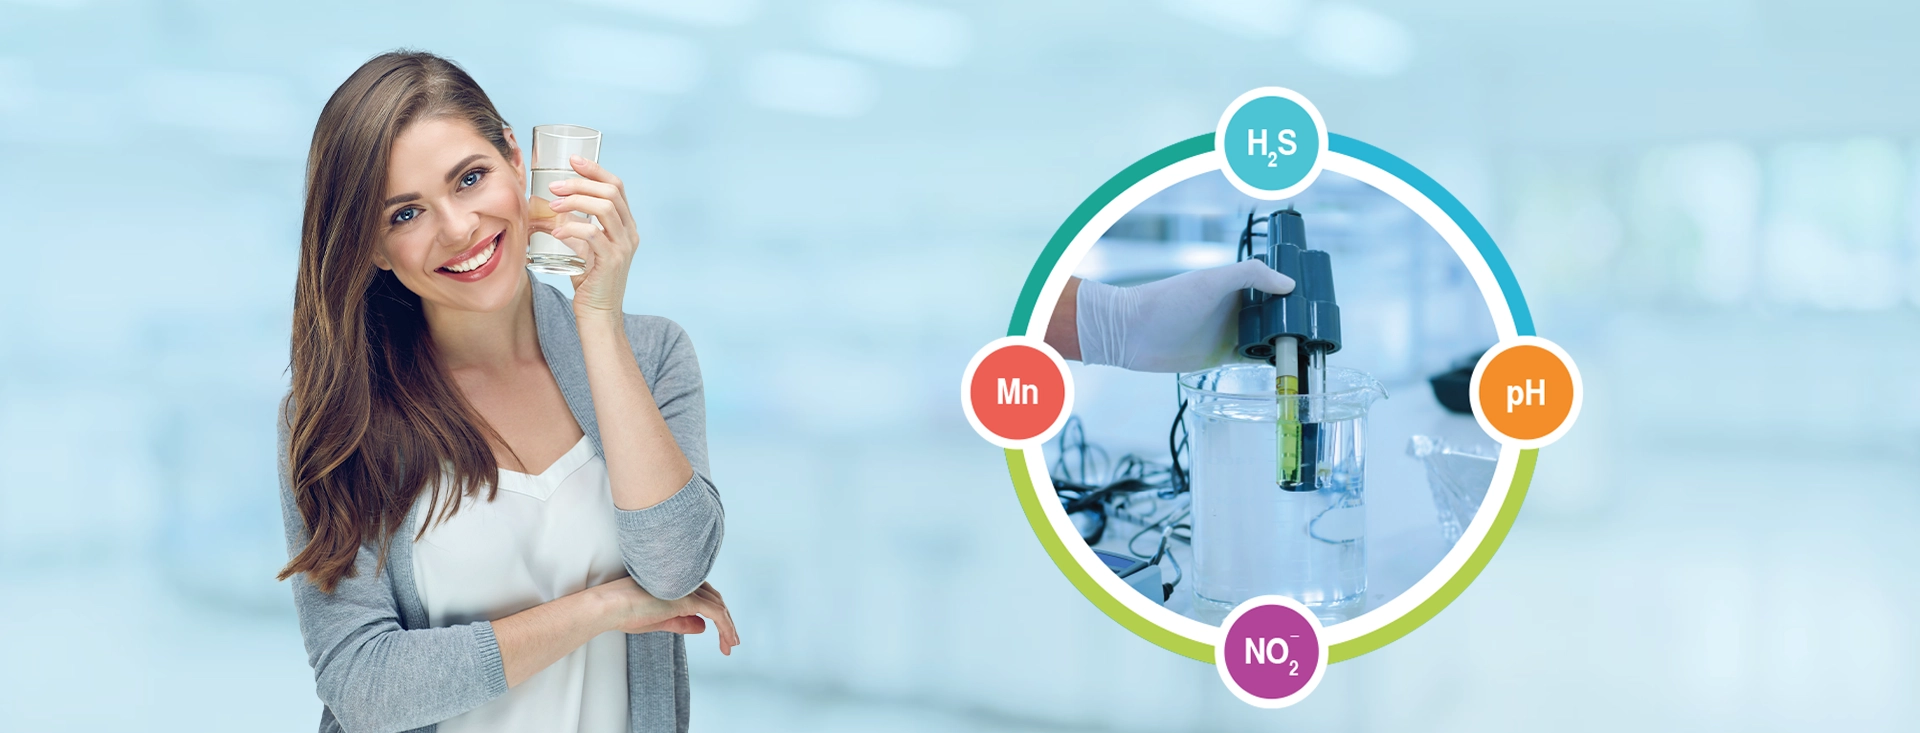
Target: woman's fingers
{"points": [[577, 229], [729, 638], [593, 170], [703, 601], [607, 242], [732, 631], [710, 595], [599, 182], [682, 625], [688, 625], [727, 628], [610, 218], [585, 186], [583, 233], [708, 592]]}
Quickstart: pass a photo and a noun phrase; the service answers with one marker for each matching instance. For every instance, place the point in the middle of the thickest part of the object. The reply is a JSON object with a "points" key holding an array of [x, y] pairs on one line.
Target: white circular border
{"points": [[1271, 703], [1319, 158], [1456, 238], [966, 392], [1479, 410]]}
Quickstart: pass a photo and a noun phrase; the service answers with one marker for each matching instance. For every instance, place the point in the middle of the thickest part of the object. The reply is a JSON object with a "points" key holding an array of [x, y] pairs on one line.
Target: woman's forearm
{"points": [[644, 464], [533, 639], [1063, 329]]}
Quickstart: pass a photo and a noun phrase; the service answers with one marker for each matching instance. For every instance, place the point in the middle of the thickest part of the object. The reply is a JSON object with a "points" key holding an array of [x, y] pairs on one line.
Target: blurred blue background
{"points": [[1714, 206]]}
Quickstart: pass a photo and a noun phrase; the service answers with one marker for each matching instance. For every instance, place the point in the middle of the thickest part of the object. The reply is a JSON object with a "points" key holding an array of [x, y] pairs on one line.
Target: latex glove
{"points": [[1184, 323]]}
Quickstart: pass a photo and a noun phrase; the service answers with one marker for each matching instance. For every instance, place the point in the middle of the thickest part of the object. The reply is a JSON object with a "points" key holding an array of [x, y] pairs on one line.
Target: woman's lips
{"points": [[475, 263]]}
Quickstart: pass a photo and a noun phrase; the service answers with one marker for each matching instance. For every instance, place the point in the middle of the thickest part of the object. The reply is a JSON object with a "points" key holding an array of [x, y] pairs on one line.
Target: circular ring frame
{"points": [[1479, 541]]}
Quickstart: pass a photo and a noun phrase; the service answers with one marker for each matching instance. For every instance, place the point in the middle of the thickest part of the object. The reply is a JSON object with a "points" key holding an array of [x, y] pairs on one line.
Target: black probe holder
{"points": [[1309, 314]]}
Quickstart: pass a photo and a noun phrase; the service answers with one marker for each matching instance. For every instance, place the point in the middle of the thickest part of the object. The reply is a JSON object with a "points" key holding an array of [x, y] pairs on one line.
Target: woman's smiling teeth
{"points": [[472, 263]]}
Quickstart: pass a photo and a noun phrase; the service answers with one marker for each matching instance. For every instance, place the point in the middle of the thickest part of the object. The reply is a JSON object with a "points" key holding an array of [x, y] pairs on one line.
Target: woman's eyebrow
{"points": [[452, 174], [462, 165]]}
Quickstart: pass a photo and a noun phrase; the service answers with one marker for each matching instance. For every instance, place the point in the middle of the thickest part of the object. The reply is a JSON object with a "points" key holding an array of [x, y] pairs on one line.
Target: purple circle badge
{"points": [[1273, 652]]}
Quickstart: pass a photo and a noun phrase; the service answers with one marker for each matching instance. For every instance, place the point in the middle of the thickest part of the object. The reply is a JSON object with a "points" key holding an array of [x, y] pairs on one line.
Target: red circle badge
{"points": [[1017, 392]]}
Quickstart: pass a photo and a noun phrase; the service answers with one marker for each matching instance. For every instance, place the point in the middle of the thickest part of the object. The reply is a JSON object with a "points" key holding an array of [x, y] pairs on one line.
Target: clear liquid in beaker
{"points": [[1252, 538]]}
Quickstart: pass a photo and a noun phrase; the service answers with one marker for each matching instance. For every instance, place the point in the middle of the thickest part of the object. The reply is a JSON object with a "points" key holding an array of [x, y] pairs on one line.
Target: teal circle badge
{"points": [[1270, 140]]}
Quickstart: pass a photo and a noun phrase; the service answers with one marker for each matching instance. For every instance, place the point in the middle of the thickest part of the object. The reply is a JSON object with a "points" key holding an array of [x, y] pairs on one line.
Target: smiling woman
{"points": [[497, 501], [415, 222]]}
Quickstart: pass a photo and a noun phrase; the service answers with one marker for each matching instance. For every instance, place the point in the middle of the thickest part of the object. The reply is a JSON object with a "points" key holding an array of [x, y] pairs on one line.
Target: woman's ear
{"points": [[514, 157], [380, 260]]}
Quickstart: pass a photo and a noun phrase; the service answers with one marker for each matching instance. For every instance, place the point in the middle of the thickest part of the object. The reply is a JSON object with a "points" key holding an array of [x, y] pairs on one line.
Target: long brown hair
{"points": [[373, 421]]}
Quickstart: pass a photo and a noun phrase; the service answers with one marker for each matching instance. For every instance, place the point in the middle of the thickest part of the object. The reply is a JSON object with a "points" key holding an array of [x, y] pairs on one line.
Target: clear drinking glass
{"points": [[1250, 536], [553, 146]]}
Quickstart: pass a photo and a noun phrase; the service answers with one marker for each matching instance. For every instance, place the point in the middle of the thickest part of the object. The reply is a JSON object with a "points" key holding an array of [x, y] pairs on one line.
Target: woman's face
{"points": [[453, 227]]}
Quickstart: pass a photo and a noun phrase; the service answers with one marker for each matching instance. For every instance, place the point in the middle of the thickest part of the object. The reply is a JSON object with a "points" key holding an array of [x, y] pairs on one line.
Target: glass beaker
{"points": [[1250, 536], [1458, 475], [553, 147]]}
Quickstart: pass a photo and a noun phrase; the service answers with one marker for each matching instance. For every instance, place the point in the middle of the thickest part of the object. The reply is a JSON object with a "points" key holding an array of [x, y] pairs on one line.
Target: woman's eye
{"points": [[471, 178], [405, 215]]}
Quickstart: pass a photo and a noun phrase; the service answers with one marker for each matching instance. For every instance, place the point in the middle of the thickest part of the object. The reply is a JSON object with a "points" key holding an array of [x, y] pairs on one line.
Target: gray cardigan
{"points": [[378, 666]]}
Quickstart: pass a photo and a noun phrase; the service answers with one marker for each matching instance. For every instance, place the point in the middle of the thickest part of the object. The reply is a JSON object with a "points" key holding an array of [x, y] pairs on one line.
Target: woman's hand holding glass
{"points": [[635, 611], [607, 243]]}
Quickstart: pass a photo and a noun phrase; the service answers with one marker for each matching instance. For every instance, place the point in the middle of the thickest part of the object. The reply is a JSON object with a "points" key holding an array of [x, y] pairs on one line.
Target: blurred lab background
{"points": [[1714, 206]]}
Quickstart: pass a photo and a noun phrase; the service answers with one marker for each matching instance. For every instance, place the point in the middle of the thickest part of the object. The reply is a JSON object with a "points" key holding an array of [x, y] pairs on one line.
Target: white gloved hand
{"points": [[1184, 323]]}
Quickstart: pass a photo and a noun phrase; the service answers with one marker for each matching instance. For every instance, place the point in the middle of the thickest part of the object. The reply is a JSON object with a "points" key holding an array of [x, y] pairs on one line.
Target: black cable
{"points": [[1090, 490], [1176, 445], [1166, 587], [1072, 440], [1346, 498], [1165, 525], [1097, 497], [1245, 251]]}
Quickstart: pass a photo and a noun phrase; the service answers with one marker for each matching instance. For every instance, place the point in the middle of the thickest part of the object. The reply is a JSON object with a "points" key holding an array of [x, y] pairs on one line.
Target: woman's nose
{"points": [[459, 226]]}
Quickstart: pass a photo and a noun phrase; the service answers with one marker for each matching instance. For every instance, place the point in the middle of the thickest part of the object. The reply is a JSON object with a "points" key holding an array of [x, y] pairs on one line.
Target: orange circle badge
{"points": [[1526, 392]]}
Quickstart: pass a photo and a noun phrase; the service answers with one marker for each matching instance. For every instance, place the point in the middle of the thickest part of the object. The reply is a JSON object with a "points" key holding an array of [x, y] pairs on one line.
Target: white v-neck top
{"points": [[540, 538]]}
